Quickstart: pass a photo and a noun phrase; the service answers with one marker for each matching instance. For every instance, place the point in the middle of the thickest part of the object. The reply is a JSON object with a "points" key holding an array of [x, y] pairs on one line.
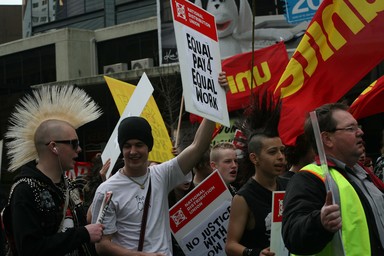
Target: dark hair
{"points": [[93, 180], [325, 119], [294, 153], [135, 127], [204, 160], [260, 120]]}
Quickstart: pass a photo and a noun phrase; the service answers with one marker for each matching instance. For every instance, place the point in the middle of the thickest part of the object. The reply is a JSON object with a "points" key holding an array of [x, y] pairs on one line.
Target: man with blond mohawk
{"points": [[44, 215]]}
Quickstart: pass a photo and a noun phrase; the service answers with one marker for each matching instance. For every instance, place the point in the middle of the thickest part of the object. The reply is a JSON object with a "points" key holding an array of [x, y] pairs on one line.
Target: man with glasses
{"points": [[44, 215], [340, 213]]}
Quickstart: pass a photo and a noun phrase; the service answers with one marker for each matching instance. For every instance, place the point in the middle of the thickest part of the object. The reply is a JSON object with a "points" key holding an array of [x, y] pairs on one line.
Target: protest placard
{"points": [[277, 243], [134, 107], [104, 206], [200, 61], [162, 147], [199, 221]]}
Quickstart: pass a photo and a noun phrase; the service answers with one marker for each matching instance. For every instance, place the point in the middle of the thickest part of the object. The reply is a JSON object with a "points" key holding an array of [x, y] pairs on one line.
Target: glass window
{"points": [[39, 12], [23, 69], [92, 5], [119, 50], [75, 7]]}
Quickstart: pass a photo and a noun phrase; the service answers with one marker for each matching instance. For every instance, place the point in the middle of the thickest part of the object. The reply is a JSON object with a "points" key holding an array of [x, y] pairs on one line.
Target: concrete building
{"points": [[76, 42]]}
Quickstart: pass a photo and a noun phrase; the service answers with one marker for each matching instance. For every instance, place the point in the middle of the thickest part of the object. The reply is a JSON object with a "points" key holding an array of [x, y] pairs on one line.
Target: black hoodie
{"points": [[36, 209]]}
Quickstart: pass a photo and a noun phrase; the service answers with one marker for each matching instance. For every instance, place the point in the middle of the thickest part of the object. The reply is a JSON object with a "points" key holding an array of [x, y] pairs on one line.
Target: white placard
{"points": [[135, 106], [200, 61], [199, 221], [277, 243]]}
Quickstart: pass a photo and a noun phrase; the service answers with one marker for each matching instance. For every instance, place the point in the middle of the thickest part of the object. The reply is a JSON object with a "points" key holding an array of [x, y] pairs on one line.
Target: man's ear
{"points": [[213, 165], [327, 139], [254, 158], [53, 148]]}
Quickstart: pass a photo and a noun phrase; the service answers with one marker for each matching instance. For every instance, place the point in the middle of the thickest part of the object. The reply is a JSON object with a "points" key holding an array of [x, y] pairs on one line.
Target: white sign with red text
{"points": [[200, 61], [199, 221], [277, 243]]}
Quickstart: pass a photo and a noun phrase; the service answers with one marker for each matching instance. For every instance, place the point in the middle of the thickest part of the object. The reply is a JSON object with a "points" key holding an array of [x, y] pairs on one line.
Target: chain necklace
{"points": [[138, 183]]}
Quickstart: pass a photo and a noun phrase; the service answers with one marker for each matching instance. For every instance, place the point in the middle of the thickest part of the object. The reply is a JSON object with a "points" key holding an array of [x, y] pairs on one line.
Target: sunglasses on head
{"points": [[74, 143]]}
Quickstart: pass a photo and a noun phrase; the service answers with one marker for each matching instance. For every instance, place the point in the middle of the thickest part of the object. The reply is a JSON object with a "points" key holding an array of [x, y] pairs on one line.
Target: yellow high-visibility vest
{"points": [[354, 231]]}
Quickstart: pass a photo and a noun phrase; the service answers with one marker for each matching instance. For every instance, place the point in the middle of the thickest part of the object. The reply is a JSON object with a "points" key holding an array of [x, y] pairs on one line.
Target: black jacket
{"points": [[36, 210], [302, 230]]}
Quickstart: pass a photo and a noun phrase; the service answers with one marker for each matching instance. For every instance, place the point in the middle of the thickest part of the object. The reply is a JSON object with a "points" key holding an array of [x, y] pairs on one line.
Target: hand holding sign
{"points": [[330, 214], [104, 206]]}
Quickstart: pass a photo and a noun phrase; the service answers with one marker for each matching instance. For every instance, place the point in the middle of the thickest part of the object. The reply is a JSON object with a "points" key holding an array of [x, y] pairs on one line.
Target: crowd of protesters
{"points": [[46, 213]]}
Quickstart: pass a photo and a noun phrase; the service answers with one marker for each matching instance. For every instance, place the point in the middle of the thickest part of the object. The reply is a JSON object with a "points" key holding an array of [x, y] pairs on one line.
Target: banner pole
{"points": [[320, 147], [329, 184], [179, 123]]}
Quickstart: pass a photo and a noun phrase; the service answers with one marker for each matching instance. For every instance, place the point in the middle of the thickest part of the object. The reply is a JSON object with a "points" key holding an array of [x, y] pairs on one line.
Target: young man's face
{"points": [[271, 160], [135, 153], [226, 165]]}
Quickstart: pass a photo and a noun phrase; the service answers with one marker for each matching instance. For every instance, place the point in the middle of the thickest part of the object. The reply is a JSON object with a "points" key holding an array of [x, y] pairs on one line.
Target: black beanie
{"points": [[135, 127]]}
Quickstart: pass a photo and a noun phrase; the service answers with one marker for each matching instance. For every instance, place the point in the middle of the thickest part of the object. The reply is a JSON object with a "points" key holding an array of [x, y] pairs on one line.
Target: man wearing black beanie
{"points": [[127, 231], [135, 127]]}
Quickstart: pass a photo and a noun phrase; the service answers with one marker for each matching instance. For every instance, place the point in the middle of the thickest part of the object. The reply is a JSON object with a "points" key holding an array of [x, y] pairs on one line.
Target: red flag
{"points": [[269, 63], [370, 101], [343, 42]]}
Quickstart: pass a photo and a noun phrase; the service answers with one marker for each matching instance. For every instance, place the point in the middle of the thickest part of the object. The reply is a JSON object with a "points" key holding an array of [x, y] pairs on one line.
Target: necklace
{"points": [[138, 183]]}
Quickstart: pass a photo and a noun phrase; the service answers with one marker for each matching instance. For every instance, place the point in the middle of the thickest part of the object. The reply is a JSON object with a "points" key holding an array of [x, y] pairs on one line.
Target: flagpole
{"points": [[253, 44], [329, 185], [179, 123], [320, 147]]}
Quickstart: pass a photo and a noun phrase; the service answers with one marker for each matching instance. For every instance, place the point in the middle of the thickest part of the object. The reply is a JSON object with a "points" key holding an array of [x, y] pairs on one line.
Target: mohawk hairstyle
{"points": [[261, 117], [66, 103]]}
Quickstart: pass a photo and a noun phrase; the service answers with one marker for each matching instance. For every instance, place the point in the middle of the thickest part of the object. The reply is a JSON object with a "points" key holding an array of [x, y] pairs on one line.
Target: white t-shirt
{"points": [[124, 214]]}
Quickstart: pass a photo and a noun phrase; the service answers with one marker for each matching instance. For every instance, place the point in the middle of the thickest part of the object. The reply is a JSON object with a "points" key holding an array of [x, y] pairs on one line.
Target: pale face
{"points": [[135, 153], [346, 144], [226, 165], [271, 160], [65, 150]]}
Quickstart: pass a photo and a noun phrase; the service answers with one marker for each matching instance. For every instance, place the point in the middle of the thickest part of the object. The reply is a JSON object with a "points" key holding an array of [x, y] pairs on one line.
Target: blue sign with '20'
{"points": [[300, 10]]}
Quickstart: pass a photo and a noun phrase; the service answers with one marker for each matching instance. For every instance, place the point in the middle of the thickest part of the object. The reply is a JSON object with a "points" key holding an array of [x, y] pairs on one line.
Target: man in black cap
{"points": [[128, 228]]}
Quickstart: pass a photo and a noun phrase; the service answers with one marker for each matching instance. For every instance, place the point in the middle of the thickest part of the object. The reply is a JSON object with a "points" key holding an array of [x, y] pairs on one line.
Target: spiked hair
{"points": [[65, 103], [261, 117], [260, 120]]}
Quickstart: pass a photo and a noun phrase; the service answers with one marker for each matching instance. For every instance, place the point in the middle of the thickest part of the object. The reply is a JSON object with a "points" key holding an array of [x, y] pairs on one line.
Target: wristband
{"points": [[247, 252]]}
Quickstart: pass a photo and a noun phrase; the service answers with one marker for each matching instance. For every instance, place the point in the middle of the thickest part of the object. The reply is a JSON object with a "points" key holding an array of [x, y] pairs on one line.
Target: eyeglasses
{"points": [[351, 128], [74, 143]]}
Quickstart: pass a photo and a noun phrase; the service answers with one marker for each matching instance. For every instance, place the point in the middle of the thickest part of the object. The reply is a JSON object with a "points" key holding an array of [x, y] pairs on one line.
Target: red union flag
{"points": [[268, 65], [370, 101], [343, 42]]}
